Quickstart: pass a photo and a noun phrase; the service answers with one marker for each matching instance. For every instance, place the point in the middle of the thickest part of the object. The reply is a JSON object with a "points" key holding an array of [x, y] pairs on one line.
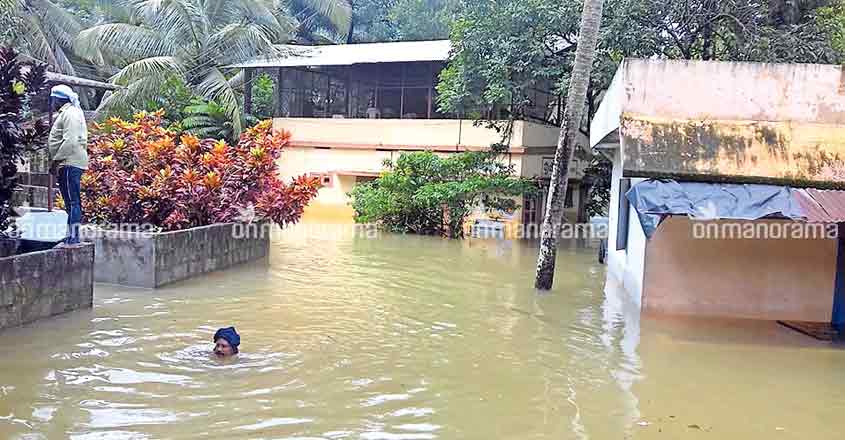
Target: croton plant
{"points": [[142, 173]]}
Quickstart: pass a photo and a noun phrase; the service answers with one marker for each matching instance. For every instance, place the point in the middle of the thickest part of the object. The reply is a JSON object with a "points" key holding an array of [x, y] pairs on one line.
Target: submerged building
{"points": [[724, 195], [352, 107]]}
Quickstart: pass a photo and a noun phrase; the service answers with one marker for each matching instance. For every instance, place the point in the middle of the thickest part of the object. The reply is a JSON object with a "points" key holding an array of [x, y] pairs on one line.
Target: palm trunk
{"points": [[350, 37], [575, 99]]}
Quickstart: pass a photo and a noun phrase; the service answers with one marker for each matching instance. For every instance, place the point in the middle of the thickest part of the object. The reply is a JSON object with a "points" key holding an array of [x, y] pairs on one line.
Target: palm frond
{"points": [[63, 63], [133, 96], [183, 20], [260, 12], [215, 87], [60, 24], [116, 10], [198, 121], [337, 13], [161, 67], [120, 43], [239, 42], [35, 41], [237, 80]]}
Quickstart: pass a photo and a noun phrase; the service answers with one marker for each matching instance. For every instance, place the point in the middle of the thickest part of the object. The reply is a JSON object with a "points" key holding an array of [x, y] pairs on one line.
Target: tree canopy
{"points": [[402, 20], [505, 47]]}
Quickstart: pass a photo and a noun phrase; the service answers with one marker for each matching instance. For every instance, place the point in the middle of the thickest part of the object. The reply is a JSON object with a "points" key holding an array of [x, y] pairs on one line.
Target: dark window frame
{"points": [[623, 219]]}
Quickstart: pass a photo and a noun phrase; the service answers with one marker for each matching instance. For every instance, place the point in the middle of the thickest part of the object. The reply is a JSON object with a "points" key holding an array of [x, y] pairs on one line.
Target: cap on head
{"points": [[230, 335]]}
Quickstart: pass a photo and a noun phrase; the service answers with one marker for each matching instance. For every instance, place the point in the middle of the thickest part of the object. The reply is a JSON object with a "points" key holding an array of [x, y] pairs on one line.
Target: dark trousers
{"points": [[70, 186]]}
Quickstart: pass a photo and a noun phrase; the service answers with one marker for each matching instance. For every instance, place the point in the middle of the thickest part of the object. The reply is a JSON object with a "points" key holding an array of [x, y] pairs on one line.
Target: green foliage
{"points": [[208, 120], [403, 20], [173, 97], [319, 21], [263, 89], [422, 19], [44, 30], [19, 130], [150, 42], [424, 193], [832, 19], [504, 47], [370, 21], [598, 176], [84, 10]]}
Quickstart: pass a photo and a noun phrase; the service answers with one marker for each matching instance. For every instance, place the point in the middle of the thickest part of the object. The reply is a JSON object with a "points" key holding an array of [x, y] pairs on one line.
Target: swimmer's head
{"points": [[226, 342]]}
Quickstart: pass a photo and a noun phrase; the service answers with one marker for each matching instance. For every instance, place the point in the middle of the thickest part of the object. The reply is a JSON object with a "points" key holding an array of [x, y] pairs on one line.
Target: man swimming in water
{"points": [[226, 342]]}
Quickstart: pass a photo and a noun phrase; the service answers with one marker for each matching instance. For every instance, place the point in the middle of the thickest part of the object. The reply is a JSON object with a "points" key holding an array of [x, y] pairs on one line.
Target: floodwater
{"points": [[406, 338]]}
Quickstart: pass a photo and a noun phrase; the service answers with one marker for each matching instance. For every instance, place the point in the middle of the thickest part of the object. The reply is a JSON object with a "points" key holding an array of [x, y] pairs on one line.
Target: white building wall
{"points": [[625, 266]]}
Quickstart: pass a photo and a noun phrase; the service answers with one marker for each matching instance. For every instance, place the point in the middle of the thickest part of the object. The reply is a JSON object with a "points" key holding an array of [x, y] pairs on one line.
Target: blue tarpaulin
{"points": [[655, 199]]}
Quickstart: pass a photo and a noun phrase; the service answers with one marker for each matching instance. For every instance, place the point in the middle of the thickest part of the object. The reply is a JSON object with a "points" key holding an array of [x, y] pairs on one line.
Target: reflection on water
{"points": [[402, 338]]}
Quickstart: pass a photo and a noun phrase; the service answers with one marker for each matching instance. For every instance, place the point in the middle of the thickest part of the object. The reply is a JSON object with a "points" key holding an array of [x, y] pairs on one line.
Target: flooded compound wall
{"points": [[43, 284], [709, 269]]}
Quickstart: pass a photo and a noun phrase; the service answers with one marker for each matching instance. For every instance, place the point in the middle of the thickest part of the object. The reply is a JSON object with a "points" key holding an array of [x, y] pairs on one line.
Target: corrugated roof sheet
{"points": [[821, 206], [348, 54]]}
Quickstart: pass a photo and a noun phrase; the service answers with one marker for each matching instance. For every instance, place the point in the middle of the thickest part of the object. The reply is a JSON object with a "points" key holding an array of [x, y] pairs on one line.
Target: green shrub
{"points": [[424, 193]]}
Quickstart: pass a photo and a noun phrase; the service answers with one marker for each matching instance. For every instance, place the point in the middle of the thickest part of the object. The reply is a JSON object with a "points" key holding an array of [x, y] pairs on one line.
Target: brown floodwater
{"points": [[393, 337]]}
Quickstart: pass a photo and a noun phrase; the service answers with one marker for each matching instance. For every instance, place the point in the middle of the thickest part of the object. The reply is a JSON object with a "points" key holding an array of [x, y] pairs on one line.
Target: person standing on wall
{"points": [[68, 145]]}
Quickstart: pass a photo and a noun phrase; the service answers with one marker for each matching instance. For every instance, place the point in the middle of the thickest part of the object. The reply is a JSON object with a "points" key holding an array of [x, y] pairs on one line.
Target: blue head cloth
{"points": [[230, 335], [64, 92]]}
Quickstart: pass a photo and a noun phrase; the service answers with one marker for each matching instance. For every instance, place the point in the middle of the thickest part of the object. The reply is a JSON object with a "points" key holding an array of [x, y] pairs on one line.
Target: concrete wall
{"points": [[332, 202], [532, 164], [411, 133], [43, 284], [727, 121], [770, 279], [153, 260], [698, 90], [626, 266]]}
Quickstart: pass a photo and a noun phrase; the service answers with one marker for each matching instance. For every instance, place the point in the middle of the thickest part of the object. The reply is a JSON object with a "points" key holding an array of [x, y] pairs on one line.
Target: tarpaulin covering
{"points": [[655, 199]]}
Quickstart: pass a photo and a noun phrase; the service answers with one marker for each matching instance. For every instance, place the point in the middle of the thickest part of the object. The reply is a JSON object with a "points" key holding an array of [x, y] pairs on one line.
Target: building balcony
{"points": [[445, 135]]}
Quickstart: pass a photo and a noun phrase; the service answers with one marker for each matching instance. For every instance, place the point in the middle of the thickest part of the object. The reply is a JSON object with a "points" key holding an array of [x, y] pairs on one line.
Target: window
{"points": [[337, 98], [529, 210], [415, 104], [622, 218], [326, 180], [390, 103], [568, 202]]}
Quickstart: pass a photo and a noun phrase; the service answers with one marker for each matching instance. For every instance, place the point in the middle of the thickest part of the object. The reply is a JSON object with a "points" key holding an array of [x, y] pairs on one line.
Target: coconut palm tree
{"points": [[575, 99], [321, 21], [156, 40], [42, 30]]}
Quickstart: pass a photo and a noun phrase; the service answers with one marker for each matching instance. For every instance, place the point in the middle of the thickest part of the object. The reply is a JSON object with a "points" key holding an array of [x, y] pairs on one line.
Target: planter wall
{"points": [[43, 284], [152, 260]]}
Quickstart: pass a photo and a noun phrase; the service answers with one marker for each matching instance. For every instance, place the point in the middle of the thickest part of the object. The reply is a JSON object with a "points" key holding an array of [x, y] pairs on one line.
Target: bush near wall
{"points": [[142, 173]]}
